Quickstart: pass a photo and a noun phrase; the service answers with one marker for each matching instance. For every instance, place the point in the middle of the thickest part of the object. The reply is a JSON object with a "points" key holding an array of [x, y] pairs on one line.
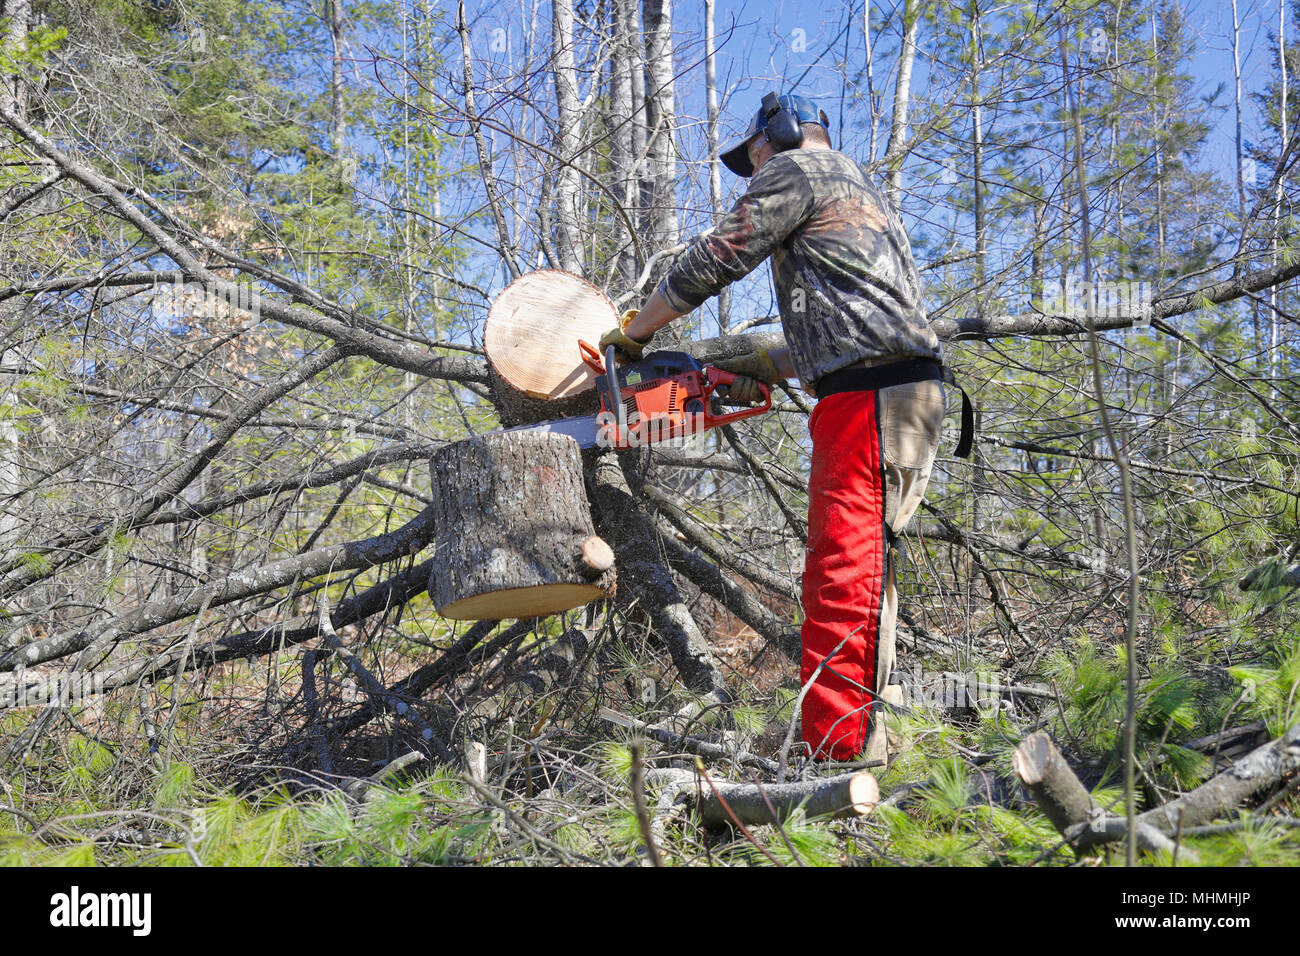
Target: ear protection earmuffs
{"points": [[783, 129], [780, 119]]}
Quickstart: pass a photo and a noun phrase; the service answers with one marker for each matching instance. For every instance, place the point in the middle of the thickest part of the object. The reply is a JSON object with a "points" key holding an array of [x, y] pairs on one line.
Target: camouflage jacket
{"points": [[845, 281]]}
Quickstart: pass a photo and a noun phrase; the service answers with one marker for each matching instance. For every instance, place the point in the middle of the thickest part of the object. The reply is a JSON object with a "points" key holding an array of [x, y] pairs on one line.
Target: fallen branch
{"points": [[731, 595], [359, 786], [1261, 768], [692, 745], [406, 540], [847, 796], [1065, 801], [1271, 575], [377, 692]]}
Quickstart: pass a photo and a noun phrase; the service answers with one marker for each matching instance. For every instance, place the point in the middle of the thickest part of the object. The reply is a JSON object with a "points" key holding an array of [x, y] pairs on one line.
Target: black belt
{"points": [[902, 373]]}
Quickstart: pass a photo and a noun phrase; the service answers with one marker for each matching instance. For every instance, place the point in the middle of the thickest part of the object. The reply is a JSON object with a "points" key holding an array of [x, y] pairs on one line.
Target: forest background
{"points": [[246, 252]]}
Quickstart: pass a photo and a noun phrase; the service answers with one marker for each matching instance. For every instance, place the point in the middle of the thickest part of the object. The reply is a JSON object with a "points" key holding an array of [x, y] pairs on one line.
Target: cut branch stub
{"points": [[514, 537], [1047, 776]]}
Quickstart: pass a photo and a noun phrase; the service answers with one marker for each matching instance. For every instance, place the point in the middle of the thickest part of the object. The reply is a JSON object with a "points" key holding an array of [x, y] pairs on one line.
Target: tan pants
{"points": [[911, 419]]}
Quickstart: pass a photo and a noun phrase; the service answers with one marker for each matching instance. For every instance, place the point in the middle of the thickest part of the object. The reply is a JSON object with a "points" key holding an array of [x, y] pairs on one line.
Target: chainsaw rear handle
{"points": [[715, 378]]}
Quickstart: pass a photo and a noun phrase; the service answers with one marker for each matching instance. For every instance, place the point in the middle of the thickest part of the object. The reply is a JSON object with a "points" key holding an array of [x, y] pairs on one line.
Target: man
{"points": [[856, 335]]}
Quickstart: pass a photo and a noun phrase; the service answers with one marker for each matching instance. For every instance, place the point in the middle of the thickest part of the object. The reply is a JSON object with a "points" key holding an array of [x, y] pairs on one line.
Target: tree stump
{"points": [[513, 531]]}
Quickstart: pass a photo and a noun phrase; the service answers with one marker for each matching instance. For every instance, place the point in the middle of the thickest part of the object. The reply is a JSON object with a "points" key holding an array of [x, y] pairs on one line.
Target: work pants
{"points": [[871, 460]]}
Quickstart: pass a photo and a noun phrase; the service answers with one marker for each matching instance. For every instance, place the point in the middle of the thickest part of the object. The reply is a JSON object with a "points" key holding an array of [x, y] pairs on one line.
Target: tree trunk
{"points": [[531, 338], [568, 242], [13, 97], [514, 537], [715, 164], [902, 100], [623, 124], [17, 15], [630, 26], [661, 150], [650, 583]]}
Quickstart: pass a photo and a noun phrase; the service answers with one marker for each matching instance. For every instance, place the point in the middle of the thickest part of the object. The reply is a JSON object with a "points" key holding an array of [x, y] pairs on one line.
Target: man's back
{"points": [[845, 280]]}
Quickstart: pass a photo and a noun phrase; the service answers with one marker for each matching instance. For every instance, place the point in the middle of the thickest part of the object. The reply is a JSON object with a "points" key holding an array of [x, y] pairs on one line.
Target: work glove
{"points": [[752, 368], [756, 364], [626, 348]]}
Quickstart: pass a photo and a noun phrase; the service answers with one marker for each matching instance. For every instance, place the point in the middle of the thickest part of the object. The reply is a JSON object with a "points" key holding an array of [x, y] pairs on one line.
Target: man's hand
{"points": [[743, 391], [756, 364], [626, 348], [752, 367]]}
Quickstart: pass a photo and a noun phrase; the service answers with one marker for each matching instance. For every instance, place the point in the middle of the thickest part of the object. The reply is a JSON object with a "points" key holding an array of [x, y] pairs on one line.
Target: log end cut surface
{"points": [[536, 601], [532, 332], [864, 794], [1031, 758]]}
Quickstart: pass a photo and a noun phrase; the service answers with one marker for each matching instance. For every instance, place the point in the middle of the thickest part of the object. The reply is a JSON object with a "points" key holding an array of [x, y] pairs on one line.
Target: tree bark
{"points": [[715, 164], [624, 122], [846, 796], [1055, 788], [1068, 805], [17, 15], [661, 150], [513, 529], [568, 240], [902, 101], [338, 139], [13, 97], [649, 582]]}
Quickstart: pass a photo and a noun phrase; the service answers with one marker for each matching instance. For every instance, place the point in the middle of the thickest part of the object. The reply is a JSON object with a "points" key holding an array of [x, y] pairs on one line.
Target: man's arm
{"points": [[657, 313], [654, 315], [778, 201], [784, 364]]}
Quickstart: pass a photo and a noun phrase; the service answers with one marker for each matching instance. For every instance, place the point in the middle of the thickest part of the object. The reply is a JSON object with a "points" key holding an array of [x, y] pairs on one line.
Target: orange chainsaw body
{"points": [[663, 396]]}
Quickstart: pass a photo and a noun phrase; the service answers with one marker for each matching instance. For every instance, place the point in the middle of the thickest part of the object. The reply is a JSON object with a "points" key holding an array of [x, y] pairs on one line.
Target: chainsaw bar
{"points": [[585, 430]]}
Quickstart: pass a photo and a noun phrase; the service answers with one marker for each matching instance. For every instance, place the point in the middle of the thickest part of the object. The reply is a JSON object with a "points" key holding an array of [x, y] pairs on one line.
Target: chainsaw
{"points": [[663, 396]]}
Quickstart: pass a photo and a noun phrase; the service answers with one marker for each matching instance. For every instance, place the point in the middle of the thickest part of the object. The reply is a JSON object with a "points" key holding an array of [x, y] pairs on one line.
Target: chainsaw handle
{"points": [[715, 378], [615, 393]]}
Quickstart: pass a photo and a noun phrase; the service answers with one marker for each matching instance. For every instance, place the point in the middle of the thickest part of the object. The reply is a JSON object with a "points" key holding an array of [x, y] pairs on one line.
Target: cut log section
{"points": [[844, 797], [532, 332], [514, 537], [849, 795]]}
